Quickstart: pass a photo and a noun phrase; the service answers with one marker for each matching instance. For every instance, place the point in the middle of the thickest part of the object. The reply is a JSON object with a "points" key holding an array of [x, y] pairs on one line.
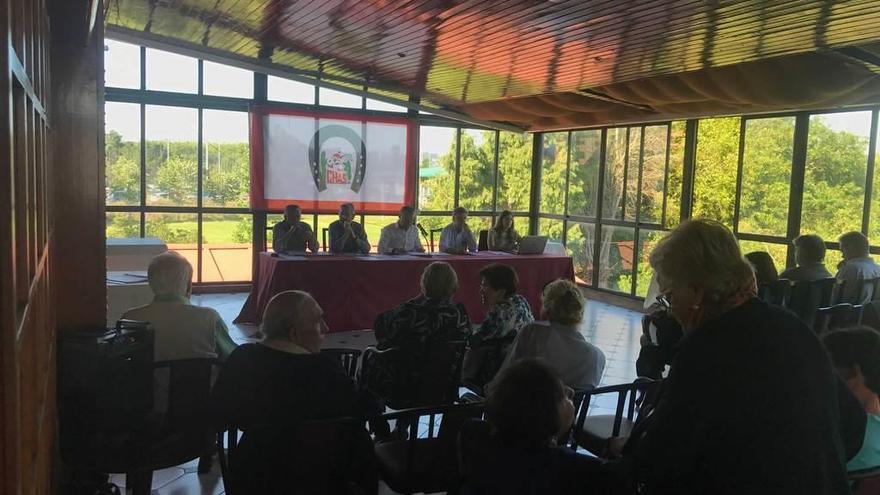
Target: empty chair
{"points": [[426, 461], [593, 432], [838, 316], [776, 292]]}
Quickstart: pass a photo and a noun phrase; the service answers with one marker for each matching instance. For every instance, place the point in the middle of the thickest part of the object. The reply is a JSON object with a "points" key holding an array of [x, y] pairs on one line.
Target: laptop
{"points": [[532, 244]]}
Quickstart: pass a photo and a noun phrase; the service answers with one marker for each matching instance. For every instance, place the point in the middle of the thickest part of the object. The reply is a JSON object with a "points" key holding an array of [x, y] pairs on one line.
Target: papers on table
{"points": [[126, 278]]}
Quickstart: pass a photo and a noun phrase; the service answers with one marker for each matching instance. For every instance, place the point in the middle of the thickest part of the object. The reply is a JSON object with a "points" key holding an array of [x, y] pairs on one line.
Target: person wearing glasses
{"points": [[750, 404], [577, 362]]}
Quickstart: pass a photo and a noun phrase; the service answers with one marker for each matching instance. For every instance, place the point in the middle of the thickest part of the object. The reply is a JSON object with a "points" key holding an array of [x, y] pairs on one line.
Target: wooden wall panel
{"points": [[28, 315]]}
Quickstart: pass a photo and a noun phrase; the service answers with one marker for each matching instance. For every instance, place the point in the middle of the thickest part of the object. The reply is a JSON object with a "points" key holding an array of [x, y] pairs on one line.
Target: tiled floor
{"points": [[614, 330]]}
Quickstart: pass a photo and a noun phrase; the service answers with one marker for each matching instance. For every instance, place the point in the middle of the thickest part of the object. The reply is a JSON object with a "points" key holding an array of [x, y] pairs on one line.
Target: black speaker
{"points": [[105, 389]]}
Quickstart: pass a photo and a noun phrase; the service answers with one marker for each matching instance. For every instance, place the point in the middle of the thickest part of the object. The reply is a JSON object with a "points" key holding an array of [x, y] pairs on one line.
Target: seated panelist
{"points": [[292, 234], [401, 236], [346, 235], [457, 238]]}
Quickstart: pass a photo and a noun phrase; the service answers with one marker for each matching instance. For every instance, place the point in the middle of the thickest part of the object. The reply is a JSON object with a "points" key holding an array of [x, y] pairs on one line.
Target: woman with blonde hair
{"points": [[560, 342], [750, 402]]}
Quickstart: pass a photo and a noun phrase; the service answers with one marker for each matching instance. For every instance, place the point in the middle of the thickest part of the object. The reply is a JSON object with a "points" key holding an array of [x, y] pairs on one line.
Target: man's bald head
{"points": [[294, 315]]}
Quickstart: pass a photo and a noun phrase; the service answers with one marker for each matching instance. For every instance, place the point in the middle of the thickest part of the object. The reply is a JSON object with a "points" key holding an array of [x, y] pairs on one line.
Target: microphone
{"points": [[422, 229]]}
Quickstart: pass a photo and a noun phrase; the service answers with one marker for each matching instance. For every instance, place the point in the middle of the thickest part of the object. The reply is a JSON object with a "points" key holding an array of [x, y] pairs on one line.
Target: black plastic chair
{"points": [[869, 290], [593, 432], [865, 481], [347, 357], [183, 432], [776, 292], [325, 456], [841, 315], [406, 379], [806, 298], [432, 238], [427, 460], [483, 241]]}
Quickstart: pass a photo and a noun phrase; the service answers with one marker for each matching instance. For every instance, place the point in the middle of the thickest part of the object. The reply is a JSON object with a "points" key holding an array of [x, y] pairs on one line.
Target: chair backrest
{"points": [[432, 238], [324, 245], [776, 292], [406, 379], [320, 456], [347, 357], [188, 393], [868, 290], [630, 397], [433, 431], [483, 241], [806, 298], [838, 316]]}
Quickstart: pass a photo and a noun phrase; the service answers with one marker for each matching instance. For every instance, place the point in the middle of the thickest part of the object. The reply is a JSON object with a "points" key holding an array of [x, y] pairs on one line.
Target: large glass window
{"points": [[172, 157], [514, 171], [333, 98], [226, 247], [122, 65], [437, 152], [552, 228], [287, 90], [616, 256], [583, 181], [223, 80], [766, 176], [715, 175], [554, 159], [476, 170], [633, 166], [674, 175], [653, 175], [835, 173], [179, 231], [615, 170], [226, 159], [171, 72], [122, 146], [580, 243]]}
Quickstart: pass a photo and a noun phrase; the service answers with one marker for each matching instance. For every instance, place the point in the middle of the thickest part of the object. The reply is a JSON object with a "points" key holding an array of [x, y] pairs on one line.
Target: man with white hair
{"points": [[268, 389], [182, 330]]}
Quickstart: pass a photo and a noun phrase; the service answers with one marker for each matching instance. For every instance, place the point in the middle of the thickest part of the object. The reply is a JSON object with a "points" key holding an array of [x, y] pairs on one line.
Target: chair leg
{"points": [[139, 482]]}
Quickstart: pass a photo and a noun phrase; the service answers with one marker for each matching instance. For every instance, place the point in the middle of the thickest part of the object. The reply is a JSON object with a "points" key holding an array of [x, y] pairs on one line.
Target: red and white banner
{"points": [[320, 160]]}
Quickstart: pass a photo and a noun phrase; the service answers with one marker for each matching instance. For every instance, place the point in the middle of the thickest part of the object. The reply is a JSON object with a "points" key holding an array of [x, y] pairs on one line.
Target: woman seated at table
{"points": [[503, 237], [508, 313], [428, 318], [855, 354], [515, 451], [577, 362]]}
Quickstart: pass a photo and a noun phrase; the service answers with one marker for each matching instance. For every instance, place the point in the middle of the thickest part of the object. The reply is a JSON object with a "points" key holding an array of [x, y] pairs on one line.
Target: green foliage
{"points": [[243, 231], [178, 180], [123, 181]]}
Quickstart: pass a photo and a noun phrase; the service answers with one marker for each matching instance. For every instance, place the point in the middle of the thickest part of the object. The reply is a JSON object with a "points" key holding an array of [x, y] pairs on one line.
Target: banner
{"points": [[321, 160]]}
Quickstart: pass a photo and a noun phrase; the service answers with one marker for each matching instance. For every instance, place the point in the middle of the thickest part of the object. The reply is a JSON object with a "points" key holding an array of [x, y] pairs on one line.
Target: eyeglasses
{"points": [[663, 301]]}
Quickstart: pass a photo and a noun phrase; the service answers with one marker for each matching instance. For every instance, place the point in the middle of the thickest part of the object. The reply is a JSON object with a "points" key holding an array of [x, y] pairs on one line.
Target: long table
{"points": [[353, 290]]}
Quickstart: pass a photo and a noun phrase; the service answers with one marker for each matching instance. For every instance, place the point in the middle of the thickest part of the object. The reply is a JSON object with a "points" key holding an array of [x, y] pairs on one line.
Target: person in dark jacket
{"points": [[750, 404], [515, 452], [270, 389]]}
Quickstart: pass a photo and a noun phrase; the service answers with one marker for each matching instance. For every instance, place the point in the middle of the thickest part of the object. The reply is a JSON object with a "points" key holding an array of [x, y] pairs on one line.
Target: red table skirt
{"points": [[354, 290]]}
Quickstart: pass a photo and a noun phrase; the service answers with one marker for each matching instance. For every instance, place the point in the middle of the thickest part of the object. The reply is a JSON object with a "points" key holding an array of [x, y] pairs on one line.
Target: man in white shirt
{"points": [[457, 238], [182, 330], [401, 236], [856, 267]]}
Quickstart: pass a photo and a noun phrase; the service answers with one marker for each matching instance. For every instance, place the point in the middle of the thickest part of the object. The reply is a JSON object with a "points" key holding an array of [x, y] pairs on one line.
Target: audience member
{"points": [[457, 238], [809, 253], [577, 362], [856, 267], [346, 235], [855, 353], [292, 234], [660, 335], [401, 236], [765, 268], [431, 317], [503, 236], [182, 330], [516, 451], [750, 403], [268, 389], [508, 313]]}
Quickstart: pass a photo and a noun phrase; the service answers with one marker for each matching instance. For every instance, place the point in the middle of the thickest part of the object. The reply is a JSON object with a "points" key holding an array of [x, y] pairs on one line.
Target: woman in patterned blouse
{"points": [[503, 237], [508, 313]]}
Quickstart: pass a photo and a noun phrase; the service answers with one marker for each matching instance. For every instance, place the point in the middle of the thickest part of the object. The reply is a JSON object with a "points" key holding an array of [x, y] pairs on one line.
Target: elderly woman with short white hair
{"points": [[750, 402], [559, 342]]}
